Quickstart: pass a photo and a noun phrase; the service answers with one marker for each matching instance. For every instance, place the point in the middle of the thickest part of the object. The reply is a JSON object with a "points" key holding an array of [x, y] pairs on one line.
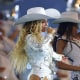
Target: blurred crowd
{"points": [[8, 38]]}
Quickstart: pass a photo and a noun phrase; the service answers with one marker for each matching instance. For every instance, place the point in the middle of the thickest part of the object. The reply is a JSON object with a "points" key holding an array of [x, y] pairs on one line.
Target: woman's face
{"points": [[74, 31], [44, 25]]}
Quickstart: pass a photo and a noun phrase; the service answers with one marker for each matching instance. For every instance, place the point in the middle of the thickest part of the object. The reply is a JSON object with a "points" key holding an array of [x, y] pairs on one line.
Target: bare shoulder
{"points": [[61, 43]]}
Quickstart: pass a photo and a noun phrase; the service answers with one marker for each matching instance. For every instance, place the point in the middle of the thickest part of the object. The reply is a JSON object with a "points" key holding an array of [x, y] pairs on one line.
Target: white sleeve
{"points": [[48, 39], [57, 56]]}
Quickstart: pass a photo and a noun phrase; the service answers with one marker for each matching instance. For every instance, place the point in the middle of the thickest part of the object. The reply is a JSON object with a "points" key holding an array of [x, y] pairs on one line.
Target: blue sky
{"points": [[58, 4]]}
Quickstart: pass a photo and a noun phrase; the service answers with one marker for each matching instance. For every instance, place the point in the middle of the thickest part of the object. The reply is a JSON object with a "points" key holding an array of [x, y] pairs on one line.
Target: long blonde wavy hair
{"points": [[19, 57]]}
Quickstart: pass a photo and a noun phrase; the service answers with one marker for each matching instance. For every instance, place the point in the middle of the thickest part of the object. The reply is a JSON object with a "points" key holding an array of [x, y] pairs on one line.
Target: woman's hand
{"points": [[64, 58], [50, 30]]}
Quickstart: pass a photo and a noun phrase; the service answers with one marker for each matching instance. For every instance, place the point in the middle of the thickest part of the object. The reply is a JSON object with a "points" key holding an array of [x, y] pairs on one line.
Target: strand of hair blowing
{"points": [[18, 55]]}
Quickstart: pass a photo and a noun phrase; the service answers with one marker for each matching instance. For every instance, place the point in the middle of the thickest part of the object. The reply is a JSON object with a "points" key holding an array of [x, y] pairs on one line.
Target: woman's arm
{"points": [[65, 66], [62, 65]]}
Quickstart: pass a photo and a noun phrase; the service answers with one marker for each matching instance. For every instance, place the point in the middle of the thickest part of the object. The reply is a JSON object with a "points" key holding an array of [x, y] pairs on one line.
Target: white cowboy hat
{"points": [[53, 12], [35, 13], [68, 17]]}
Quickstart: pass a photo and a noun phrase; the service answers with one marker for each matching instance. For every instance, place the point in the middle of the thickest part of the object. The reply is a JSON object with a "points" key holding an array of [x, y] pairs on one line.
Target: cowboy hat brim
{"points": [[31, 17], [60, 20], [53, 13]]}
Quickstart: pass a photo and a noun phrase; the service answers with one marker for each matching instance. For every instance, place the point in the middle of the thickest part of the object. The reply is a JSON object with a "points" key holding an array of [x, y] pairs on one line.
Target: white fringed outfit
{"points": [[40, 56]]}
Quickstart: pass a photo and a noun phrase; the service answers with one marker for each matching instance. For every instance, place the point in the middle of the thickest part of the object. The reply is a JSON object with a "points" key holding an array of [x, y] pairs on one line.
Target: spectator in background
{"points": [[6, 45], [11, 30]]}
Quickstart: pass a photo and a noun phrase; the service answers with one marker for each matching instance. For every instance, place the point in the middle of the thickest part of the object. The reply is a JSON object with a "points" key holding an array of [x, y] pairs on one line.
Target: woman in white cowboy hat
{"points": [[66, 42], [32, 47]]}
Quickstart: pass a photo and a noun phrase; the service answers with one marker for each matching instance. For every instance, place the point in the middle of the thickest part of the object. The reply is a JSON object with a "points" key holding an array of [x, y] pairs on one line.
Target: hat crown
{"points": [[53, 13], [70, 15], [36, 10]]}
